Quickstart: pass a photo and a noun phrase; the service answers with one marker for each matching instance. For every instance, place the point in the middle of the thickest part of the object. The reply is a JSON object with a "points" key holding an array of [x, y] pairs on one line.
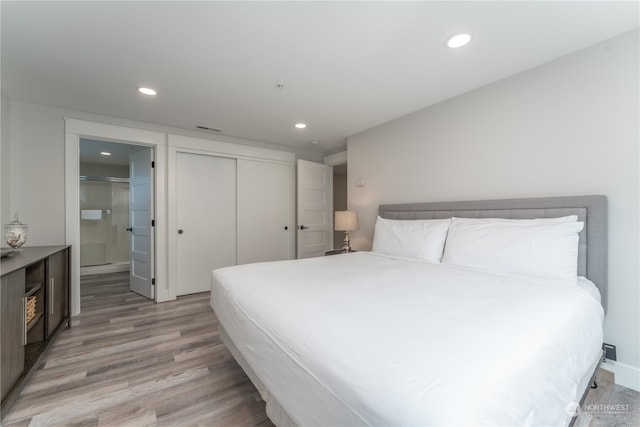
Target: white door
{"points": [[206, 219], [315, 209], [140, 222], [265, 211]]}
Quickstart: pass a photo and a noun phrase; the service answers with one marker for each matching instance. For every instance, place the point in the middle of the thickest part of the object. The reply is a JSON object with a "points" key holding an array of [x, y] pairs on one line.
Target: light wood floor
{"points": [[128, 361], [598, 409]]}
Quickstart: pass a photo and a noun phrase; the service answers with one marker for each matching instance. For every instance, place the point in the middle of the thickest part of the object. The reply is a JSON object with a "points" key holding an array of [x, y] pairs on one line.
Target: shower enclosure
{"points": [[104, 219]]}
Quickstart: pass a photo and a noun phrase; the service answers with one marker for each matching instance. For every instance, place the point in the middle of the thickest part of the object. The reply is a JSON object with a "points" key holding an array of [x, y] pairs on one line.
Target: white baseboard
{"points": [[625, 375], [103, 269]]}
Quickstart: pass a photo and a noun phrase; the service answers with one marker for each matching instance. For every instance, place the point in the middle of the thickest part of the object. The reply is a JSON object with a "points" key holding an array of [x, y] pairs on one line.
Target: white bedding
{"points": [[365, 339]]}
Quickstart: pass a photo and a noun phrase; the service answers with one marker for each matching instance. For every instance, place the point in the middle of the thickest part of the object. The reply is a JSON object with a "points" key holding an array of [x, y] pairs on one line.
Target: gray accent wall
{"points": [[569, 127]]}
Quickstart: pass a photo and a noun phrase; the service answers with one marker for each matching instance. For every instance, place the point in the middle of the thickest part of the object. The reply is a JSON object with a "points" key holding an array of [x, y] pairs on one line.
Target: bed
{"points": [[369, 338]]}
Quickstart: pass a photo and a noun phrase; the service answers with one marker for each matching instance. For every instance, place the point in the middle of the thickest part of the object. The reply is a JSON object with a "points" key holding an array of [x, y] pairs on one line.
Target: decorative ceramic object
{"points": [[15, 233]]}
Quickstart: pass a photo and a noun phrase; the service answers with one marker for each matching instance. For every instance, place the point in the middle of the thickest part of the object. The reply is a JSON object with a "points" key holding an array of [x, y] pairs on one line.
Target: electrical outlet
{"points": [[609, 351]]}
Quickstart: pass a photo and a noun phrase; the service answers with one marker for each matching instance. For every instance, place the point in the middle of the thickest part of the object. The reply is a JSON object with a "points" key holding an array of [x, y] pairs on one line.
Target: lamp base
{"points": [[346, 244]]}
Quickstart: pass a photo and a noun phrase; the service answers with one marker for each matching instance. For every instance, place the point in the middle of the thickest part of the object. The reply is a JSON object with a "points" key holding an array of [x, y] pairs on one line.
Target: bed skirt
{"points": [[275, 411], [281, 418]]}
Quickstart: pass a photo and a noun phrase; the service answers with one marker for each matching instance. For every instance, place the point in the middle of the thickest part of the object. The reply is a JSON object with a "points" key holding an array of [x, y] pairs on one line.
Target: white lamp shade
{"points": [[346, 221]]}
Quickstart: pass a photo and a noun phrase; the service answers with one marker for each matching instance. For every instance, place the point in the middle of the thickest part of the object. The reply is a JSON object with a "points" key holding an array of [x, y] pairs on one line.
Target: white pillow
{"points": [[422, 239], [526, 249]]}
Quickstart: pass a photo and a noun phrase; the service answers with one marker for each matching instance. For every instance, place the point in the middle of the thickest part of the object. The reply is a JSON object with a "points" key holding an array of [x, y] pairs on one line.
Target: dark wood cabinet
{"points": [[58, 278], [13, 330], [35, 303]]}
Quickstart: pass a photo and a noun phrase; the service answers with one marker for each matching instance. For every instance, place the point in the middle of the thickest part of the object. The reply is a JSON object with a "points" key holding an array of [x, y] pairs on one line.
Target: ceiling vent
{"points": [[207, 128]]}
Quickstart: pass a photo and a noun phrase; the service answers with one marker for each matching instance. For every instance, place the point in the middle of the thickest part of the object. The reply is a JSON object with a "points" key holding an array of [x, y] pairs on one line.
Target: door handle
{"points": [[24, 320], [302, 227], [130, 229], [52, 289], [180, 231]]}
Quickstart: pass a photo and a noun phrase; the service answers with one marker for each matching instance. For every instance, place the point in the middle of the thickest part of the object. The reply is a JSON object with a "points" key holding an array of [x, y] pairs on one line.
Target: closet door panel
{"points": [[265, 223], [206, 219]]}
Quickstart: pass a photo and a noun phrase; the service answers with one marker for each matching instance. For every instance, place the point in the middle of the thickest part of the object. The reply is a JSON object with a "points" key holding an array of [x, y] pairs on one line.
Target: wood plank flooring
{"points": [[130, 362], [609, 405]]}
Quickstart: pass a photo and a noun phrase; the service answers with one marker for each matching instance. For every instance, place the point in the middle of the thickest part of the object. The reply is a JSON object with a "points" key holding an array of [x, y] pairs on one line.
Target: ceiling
{"points": [[90, 152], [345, 66]]}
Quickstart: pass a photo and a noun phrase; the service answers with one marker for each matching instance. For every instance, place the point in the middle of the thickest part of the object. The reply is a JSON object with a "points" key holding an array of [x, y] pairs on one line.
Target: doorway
{"points": [[116, 212], [339, 199], [75, 130], [104, 207]]}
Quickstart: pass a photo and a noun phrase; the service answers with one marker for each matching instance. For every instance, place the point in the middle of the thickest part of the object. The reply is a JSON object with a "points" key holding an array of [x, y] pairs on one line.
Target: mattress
{"points": [[364, 339]]}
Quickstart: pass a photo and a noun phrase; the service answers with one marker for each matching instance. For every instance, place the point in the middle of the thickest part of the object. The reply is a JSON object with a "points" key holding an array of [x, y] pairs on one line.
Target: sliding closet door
{"points": [[266, 231], [206, 219]]}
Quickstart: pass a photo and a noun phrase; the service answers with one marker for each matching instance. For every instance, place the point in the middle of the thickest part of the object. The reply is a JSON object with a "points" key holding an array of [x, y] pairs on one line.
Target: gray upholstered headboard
{"points": [[592, 251]]}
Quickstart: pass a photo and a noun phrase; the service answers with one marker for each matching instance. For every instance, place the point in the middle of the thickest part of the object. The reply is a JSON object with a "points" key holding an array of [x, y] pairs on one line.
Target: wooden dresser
{"points": [[34, 307]]}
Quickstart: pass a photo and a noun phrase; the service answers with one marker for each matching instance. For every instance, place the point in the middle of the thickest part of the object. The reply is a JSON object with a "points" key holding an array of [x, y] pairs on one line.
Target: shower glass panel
{"points": [[104, 218]]}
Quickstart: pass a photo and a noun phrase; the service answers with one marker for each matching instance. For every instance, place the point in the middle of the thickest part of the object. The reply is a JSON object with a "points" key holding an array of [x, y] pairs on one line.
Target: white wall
{"points": [[5, 156], [36, 145], [569, 127], [102, 169]]}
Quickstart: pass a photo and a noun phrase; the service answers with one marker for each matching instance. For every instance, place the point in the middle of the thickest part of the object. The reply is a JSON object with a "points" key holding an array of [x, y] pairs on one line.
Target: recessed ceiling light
{"points": [[458, 40], [315, 142], [105, 153], [300, 125], [147, 91]]}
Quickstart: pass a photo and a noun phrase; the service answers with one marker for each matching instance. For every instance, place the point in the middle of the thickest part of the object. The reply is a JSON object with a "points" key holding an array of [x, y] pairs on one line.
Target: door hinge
{"points": [[153, 222], [153, 164], [153, 281]]}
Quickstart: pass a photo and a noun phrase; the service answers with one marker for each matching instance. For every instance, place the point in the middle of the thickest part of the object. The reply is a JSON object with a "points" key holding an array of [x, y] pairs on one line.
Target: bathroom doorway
{"points": [[110, 212], [104, 207]]}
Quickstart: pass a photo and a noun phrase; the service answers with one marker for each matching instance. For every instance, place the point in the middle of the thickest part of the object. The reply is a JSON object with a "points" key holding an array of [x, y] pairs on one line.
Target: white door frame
{"points": [[76, 129], [336, 159]]}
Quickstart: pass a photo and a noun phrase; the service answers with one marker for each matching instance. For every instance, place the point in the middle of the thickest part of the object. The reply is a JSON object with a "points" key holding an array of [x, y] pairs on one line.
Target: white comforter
{"points": [[364, 339]]}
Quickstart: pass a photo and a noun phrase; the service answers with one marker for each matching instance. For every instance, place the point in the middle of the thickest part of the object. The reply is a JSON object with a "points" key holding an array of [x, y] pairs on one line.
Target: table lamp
{"points": [[346, 221]]}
